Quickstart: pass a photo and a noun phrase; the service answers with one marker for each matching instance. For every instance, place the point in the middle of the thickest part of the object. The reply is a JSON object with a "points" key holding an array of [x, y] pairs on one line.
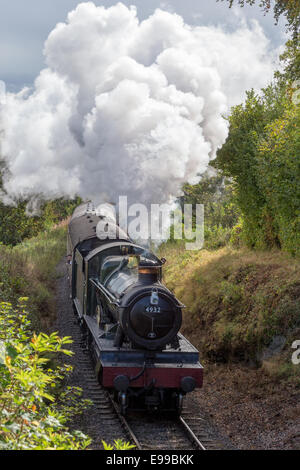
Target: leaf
{"points": [[107, 446]]}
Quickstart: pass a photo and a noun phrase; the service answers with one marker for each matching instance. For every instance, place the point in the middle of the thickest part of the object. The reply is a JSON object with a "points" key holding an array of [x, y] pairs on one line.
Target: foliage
{"points": [[278, 170], [18, 224], [217, 195], [221, 212], [261, 155], [254, 197], [28, 417], [118, 445], [289, 8], [290, 58]]}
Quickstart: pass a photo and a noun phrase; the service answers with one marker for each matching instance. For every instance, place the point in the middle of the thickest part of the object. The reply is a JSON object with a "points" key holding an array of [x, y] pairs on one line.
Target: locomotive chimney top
{"points": [[148, 272]]}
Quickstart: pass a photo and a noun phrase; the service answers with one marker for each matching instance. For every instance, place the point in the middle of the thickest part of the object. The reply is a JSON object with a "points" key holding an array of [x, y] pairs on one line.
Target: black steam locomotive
{"points": [[130, 319]]}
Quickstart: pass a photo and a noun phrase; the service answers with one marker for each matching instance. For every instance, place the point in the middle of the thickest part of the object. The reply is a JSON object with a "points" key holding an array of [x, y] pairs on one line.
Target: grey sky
{"points": [[24, 26]]}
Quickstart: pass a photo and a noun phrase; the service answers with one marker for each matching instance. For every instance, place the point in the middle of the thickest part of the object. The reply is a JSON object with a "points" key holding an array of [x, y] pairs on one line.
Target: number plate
{"points": [[152, 309]]}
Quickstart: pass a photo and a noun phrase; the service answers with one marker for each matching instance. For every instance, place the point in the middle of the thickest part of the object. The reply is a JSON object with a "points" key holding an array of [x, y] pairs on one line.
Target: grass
{"points": [[236, 300], [28, 270]]}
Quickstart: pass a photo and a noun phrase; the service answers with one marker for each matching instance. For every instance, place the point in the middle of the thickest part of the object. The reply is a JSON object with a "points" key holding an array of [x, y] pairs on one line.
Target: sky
{"points": [[24, 27]]}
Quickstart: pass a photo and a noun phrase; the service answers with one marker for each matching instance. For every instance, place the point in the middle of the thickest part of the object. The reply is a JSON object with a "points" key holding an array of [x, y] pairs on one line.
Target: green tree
{"points": [[290, 59], [216, 193], [261, 154], [18, 224], [221, 212], [278, 170]]}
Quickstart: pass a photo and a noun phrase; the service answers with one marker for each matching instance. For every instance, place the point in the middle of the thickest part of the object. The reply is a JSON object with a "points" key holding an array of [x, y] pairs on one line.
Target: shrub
{"points": [[29, 415]]}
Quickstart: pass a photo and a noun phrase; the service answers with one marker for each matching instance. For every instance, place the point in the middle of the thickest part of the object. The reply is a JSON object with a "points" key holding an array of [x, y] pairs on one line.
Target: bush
{"points": [[29, 415]]}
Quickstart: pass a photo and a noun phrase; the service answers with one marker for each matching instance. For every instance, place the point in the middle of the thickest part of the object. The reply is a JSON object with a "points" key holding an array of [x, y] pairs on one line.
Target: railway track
{"points": [[145, 432], [159, 434], [104, 420]]}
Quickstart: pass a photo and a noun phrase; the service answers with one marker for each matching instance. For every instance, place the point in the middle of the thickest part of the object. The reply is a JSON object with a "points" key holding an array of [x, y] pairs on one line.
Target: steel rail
{"points": [[191, 434], [125, 423], [135, 440]]}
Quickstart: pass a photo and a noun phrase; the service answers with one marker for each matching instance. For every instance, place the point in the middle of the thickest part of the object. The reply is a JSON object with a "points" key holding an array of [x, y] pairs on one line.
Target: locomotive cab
{"points": [[126, 290]]}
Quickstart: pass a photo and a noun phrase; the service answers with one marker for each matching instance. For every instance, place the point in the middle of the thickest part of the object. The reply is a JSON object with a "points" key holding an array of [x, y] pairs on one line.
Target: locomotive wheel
{"points": [[123, 400], [99, 373], [177, 404], [116, 396], [74, 310]]}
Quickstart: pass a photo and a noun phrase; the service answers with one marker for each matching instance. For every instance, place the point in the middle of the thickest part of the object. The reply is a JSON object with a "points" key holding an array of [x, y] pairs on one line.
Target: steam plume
{"points": [[128, 107]]}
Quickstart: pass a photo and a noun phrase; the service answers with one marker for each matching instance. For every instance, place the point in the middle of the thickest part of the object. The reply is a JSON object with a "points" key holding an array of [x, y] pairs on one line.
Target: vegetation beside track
{"points": [[29, 270], [242, 305]]}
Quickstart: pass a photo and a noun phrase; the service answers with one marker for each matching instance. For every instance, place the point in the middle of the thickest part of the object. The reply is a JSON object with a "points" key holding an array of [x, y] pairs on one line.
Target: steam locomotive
{"points": [[130, 320]]}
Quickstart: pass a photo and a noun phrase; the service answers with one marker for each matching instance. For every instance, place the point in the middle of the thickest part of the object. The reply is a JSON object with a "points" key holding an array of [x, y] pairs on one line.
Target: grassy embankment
{"points": [[237, 302], [28, 270]]}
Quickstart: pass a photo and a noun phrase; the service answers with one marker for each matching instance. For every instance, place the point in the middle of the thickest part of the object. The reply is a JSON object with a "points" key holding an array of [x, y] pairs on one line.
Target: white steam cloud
{"points": [[127, 107]]}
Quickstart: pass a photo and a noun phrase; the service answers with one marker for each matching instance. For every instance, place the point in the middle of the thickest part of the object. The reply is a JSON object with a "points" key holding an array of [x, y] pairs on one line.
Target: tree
{"points": [[289, 8], [262, 156], [290, 59], [221, 212], [215, 192], [278, 170]]}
